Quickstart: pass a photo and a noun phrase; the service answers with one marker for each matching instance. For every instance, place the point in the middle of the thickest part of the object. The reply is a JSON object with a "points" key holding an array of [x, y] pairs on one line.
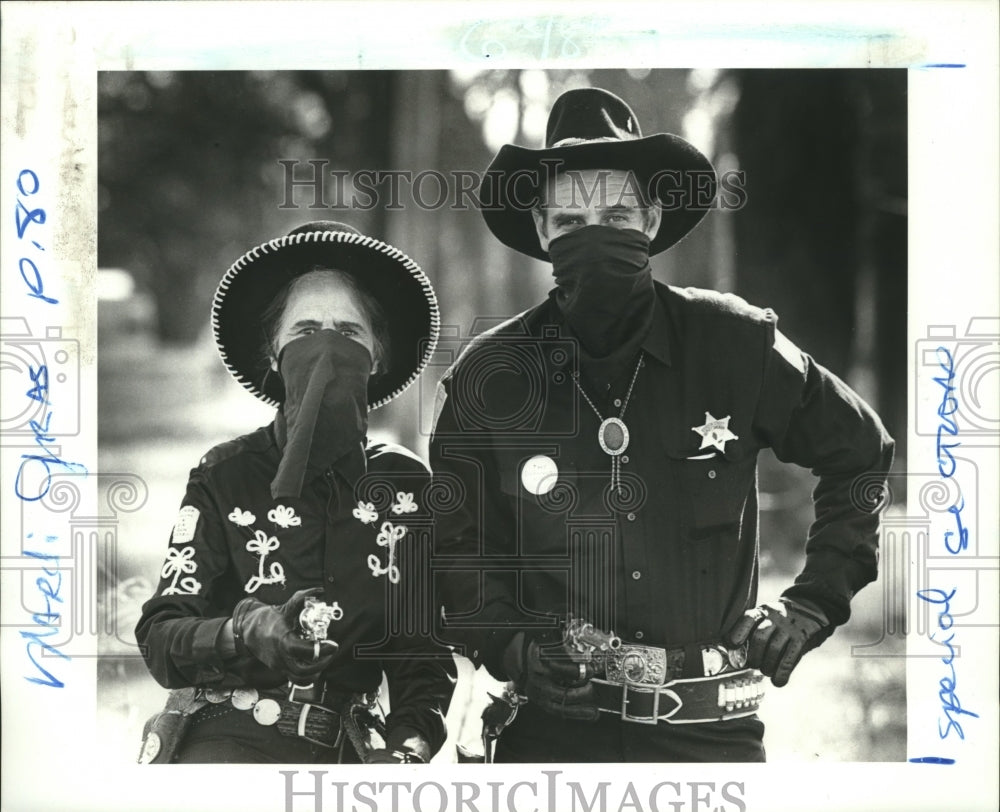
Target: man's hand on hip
{"points": [[779, 634]]}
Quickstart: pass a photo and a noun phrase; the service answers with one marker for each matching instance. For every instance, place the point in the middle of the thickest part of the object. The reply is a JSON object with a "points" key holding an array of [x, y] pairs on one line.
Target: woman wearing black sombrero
{"points": [[300, 548]]}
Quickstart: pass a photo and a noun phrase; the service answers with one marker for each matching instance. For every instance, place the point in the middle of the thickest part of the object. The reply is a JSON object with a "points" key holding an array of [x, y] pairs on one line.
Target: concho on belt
{"points": [[718, 659]]}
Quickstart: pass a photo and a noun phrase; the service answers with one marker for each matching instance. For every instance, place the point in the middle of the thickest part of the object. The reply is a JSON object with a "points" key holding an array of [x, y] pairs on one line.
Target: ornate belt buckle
{"points": [[636, 665]]}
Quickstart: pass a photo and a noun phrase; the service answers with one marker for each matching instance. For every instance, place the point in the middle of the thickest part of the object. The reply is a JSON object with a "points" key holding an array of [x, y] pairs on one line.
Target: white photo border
{"points": [[51, 53]]}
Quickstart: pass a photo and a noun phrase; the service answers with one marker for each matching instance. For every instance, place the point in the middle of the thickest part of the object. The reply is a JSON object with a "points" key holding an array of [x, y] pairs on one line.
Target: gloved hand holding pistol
{"points": [[403, 747], [555, 675], [780, 634], [272, 635]]}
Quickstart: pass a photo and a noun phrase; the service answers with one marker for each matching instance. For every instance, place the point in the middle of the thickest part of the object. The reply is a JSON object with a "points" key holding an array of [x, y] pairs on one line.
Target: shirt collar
{"points": [[656, 343], [352, 466]]}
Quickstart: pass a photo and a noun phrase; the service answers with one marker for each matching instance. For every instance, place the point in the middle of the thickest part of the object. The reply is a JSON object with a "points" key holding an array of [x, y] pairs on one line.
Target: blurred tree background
{"points": [[189, 178]]}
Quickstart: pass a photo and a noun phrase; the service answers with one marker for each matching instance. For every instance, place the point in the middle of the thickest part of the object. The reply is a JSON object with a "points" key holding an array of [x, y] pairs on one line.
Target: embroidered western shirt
{"points": [[360, 531], [671, 557]]}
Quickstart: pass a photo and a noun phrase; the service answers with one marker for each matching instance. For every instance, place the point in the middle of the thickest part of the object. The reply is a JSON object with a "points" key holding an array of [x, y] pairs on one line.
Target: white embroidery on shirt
{"points": [[243, 518], [283, 516], [365, 513], [185, 586], [388, 536], [178, 563], [262, 545], [404, 503]]}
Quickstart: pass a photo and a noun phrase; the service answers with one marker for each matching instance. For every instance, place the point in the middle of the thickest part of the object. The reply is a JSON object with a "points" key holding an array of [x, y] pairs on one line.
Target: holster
{"points": [[497, 716], [164, 731], [362, 725]]}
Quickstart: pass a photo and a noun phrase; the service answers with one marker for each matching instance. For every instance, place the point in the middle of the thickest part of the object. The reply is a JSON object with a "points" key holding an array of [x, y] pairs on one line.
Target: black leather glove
{"points": [[271, 634], [551, 679], [779, 634], [403, 746], [386, 756]]}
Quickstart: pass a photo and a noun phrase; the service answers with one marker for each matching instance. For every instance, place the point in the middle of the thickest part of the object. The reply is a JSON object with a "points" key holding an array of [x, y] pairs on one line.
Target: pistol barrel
{"points": [[586, 636]]}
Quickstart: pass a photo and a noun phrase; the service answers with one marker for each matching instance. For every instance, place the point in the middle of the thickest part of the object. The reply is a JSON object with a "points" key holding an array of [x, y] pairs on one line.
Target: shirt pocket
{"points": [[713, 492]]}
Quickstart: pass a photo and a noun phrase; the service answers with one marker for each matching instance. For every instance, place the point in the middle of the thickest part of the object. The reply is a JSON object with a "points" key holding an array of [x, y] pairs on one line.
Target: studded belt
{"points": [[314, 723], [642, 684]]}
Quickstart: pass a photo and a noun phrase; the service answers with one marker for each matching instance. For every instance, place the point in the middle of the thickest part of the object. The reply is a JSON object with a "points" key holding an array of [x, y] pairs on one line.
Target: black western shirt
{"points": [[669, 557], [361, 531]]}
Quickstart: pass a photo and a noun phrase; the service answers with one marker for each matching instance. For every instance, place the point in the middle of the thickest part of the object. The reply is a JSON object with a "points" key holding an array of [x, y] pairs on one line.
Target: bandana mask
{"points": [[325, 411], [604, 289]]}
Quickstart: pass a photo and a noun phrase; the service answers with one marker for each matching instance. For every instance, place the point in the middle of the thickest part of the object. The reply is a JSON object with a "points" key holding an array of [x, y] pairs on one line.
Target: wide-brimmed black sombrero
{"points": [[590, 128], [386, 273]]}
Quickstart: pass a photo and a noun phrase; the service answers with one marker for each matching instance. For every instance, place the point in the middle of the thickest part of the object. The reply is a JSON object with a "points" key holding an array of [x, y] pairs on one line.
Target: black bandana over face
{"points": [[326, 406], [604, 289]]}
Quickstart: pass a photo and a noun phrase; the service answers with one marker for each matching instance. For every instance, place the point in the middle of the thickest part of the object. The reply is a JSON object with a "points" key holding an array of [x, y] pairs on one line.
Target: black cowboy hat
{"points": [[590, 128], [386, 273]]}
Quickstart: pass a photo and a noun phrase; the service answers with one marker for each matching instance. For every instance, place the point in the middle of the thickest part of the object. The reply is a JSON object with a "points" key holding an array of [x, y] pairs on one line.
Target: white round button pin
{"points": [[539, 475]]}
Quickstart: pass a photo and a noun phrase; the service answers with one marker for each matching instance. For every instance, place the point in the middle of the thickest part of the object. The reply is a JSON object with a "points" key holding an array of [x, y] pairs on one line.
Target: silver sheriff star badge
{"points": [[715, 432]]}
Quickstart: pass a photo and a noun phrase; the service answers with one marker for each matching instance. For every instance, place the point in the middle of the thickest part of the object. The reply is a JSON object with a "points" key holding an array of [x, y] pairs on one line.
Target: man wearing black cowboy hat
{"points": [[300, 550], [606, 443]]}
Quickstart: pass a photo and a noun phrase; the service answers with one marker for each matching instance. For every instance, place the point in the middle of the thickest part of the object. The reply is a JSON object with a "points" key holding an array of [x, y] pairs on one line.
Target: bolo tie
{"points": [[612, 435]]}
